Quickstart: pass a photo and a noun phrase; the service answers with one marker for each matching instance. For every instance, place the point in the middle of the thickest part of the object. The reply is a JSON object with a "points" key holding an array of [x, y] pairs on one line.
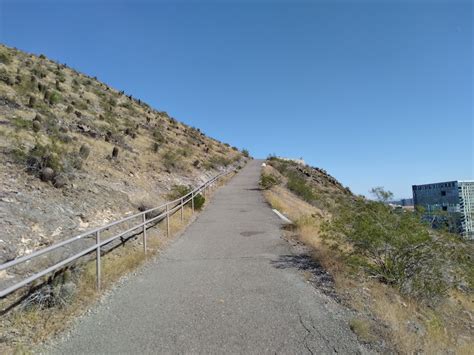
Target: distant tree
{"points": [[245, 152], [381, 194]]}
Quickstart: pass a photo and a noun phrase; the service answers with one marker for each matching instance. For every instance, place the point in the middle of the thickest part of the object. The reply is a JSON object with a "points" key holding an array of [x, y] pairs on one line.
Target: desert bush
{"points": [[172, 161], [5, 58], [178, 191], [54, 98], [185, 152], [58, 292], [398, 249], [267, 181], [158, 136], [5, 77], [155, 147], [245, 153], [300, 187], [199, 201], [21, 123], [217, 161], [44, 156]]}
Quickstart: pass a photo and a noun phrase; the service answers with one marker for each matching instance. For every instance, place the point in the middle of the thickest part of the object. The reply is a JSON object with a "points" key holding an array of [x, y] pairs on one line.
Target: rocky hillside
{"points": [[312, 184], [76, 153]]}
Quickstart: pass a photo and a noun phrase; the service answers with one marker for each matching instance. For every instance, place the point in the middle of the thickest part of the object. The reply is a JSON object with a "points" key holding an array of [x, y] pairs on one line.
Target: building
{"points": [[448, 203]]}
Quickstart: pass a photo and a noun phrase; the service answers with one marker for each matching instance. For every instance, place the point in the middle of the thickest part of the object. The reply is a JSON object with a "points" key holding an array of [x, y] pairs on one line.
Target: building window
{"points": [[443, 193], [445, 208]]}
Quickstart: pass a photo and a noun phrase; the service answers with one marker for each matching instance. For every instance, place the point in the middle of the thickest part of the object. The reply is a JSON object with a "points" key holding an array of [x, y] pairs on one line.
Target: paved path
{"points": [[220, 288]]}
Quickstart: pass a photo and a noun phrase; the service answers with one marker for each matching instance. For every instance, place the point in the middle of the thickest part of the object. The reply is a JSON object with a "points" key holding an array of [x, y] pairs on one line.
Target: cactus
{"points": [[32, 101], [36, 126], [84, 151], [115, 152]]}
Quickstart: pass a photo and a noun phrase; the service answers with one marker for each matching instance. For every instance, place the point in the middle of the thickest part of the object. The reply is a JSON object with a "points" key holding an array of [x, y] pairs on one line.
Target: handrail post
{"points": [[144, 232], [192, 201], [97, 260], [167, 222], [182, 208]]}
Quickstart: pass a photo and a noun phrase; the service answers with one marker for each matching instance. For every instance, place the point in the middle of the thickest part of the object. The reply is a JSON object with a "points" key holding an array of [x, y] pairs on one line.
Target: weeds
{"points": [[267, 181]]}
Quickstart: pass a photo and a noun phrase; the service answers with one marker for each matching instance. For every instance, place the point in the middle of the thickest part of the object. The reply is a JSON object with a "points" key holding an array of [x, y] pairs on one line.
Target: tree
{"points": [[381, 195]]}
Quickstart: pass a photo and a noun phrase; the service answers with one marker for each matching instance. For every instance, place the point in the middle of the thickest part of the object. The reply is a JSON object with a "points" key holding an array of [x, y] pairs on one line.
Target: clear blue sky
{"points": [[375, 92]]}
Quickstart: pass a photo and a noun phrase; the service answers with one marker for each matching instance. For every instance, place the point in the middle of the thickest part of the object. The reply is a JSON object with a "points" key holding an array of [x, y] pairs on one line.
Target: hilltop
{"points": [[77, 153]]}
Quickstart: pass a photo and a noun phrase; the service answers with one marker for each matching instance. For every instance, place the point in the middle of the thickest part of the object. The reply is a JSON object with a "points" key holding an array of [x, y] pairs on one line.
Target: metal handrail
{"points": [[178, 203]]}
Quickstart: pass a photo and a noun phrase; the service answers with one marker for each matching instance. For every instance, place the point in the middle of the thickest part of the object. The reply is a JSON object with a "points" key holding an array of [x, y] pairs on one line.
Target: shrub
{"points": [[199, 201], [299, 186], [5, 58], [396, 248], [155, 147], [54, 98], [245, 153], [178, 191], [267, 181], [158, 136], [44, 156], [217, 161], [172, 161]]}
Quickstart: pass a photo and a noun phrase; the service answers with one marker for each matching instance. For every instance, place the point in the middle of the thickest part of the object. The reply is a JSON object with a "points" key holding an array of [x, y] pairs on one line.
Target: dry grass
{"points": [[410, 326]]}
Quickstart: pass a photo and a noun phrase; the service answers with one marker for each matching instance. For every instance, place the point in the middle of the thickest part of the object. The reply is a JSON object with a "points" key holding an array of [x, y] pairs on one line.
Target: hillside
{"points": [[76, 153], [410, 287]]}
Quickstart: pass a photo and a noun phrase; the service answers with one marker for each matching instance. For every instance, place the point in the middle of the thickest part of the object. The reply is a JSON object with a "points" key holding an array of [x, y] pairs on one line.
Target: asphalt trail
{"points": [[222, 287]]}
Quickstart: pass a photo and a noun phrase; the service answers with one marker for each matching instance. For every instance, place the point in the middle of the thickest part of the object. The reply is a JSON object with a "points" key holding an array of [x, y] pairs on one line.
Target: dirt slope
{"points": [[76, 153]]}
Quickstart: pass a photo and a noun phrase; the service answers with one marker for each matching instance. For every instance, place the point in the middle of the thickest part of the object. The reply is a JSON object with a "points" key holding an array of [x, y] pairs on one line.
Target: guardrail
{"points": [[164, 212]]}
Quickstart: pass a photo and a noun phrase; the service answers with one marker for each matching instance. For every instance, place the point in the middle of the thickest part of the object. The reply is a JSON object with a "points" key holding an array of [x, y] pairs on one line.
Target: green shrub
{"points": [[300, 187], [5, 58], [172, 161], [178, 191], [267, 181], [245, 153], [217, 161], [54, 98], [44, 156], [21, 123], [398, 249], [199, 201]]}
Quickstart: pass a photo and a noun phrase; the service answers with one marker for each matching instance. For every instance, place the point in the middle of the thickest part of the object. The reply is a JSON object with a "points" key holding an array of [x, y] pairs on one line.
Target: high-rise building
{"points": [[455, 198]]}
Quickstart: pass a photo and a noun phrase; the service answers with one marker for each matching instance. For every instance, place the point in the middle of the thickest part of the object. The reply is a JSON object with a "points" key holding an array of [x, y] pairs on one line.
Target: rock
{"points": [[60, 180], [47, 174]]}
